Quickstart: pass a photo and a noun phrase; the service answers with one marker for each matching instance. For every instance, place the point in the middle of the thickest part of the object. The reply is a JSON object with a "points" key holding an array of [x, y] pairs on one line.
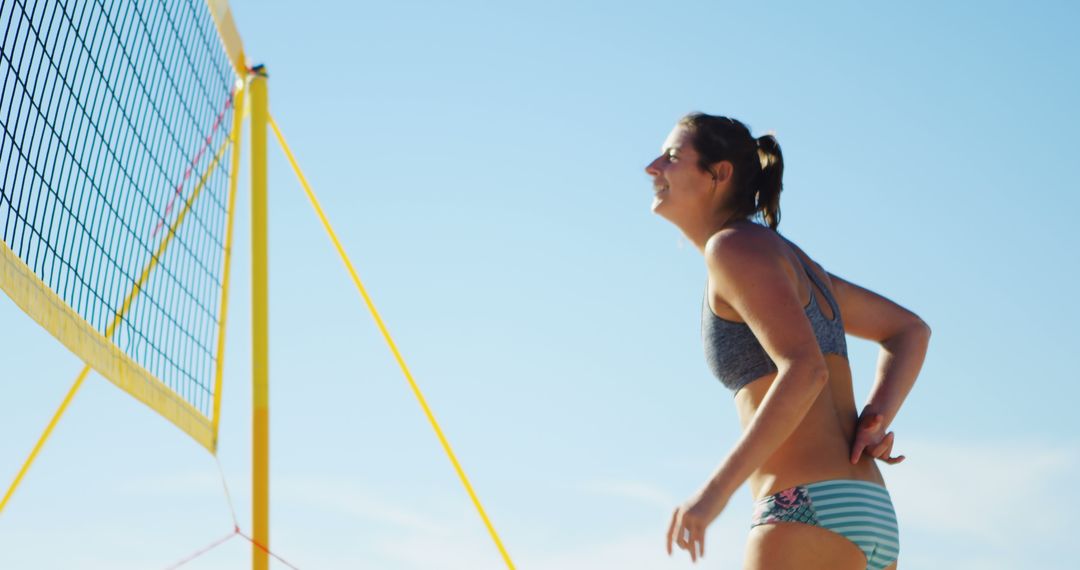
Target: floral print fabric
{"points": [[789, 505]]}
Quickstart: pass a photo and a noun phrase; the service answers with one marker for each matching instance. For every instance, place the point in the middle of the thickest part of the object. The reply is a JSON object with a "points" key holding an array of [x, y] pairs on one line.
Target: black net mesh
{"points": [[116, 117]]}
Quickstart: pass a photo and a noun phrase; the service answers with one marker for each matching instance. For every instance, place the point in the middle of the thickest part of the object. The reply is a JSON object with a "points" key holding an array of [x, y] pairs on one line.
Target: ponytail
{"points": [[770, 181], [759, 166]]}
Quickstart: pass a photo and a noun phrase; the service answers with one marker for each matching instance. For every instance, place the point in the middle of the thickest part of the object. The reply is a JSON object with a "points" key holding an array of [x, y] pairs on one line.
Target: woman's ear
{"points": [[722, 171]]}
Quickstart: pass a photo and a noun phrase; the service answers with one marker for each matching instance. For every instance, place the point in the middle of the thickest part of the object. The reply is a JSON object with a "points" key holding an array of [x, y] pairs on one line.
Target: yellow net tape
{"points": [[230, 36], [39, 301], [42, 304], [219, 371]]}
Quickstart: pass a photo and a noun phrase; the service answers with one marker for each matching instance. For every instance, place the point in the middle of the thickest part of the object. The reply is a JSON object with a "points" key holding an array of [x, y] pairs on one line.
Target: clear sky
{"points": [[483, 164]]}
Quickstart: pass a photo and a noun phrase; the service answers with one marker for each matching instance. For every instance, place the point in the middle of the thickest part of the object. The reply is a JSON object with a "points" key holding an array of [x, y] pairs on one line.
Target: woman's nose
{"points": [[652, 169]]}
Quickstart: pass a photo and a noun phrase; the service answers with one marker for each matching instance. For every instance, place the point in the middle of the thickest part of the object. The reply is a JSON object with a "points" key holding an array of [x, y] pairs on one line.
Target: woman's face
{"points": [[682, 191]]}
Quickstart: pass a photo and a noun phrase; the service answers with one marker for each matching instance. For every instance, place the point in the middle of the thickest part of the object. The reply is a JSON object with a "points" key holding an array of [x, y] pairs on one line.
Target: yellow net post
{"points": [[260, 447]]}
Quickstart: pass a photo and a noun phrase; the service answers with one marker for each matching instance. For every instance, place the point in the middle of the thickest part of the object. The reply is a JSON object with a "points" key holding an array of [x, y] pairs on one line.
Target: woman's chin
{"points": [[663, 208]]}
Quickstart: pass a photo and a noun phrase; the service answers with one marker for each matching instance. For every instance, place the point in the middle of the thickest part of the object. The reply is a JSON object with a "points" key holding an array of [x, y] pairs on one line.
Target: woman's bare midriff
{"points": [[820, 447]]}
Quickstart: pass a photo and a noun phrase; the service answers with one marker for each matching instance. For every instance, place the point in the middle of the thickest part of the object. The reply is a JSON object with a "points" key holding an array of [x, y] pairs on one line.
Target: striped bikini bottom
{"points": [[860, 511]]}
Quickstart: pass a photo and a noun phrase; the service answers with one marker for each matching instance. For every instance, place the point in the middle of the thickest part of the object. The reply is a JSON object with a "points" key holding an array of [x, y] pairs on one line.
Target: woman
{"points": [[774, 334]]}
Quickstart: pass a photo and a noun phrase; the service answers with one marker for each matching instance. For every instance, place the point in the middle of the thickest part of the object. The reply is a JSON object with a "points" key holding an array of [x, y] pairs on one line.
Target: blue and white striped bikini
{"points": [[860, 511]]}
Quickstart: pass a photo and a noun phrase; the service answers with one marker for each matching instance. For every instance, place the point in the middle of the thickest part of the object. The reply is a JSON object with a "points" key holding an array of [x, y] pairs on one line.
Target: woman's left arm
{"points": [[749, 271]]}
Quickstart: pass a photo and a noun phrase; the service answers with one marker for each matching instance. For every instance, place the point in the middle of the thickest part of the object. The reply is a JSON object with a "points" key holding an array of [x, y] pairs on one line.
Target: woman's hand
{"points": [[688, 522], [870, 438]]}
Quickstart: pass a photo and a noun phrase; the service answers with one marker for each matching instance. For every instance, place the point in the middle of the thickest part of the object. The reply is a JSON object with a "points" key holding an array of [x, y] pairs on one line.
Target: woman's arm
{"points": [[750, 273], [903, 336], [748, 270]]}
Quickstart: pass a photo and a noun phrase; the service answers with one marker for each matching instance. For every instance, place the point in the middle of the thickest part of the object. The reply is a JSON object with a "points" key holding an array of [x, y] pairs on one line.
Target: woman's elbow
{"points": [[819, 377], [922, 330], [914, 329], [812, 373]]}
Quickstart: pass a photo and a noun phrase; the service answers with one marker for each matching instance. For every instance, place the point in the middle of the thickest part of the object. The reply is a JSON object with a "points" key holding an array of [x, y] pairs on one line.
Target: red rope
{"points": [[194, 162], [236, 531], [228, 495], [266, 550], [212, 546]]}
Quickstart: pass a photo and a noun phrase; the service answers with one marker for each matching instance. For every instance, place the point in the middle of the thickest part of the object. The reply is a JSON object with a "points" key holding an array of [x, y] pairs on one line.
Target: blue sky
{"points": [[482, 163]]}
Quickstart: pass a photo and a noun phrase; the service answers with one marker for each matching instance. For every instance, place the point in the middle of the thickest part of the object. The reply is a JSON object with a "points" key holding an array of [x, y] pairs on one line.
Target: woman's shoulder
{"points": [[746, 255], [742, 240], [736, 249]]}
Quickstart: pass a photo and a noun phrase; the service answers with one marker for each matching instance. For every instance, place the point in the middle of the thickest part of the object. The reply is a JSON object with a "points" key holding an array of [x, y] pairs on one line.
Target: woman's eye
{"points": [[672, 157]]}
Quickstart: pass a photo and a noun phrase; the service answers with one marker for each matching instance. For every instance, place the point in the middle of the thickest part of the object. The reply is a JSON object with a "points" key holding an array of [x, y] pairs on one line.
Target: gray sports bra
{"points": [[734, 354]]}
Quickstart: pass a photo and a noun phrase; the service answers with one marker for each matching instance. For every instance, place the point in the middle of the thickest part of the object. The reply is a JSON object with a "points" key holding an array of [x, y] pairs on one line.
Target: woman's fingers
{"points": [[693, 540], [671, 530], [864, 441], [883, 447], [859, 446], [865, 435], [687, 533], [871, 423], [700, 543], [883, 450], [857, 449]]}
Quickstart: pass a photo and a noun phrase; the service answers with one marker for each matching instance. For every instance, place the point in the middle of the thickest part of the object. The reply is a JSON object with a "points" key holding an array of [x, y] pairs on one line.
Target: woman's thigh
{"points": [[797, 546]]}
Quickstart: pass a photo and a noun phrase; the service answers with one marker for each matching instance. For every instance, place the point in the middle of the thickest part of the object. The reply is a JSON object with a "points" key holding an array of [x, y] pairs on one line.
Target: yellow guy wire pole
{"points": [[260, 432], [135, 290], [393, 347], [44, 436], [237, 130]]}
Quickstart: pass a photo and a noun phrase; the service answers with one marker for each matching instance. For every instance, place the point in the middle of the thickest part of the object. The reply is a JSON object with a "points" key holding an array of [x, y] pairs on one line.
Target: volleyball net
{"points": [[119, 153], [114, 185]]}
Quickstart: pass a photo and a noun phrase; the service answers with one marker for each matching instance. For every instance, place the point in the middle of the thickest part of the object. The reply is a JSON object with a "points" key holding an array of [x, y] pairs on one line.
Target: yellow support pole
{"points": [[260, 445], [44, 436], [393, 347]]}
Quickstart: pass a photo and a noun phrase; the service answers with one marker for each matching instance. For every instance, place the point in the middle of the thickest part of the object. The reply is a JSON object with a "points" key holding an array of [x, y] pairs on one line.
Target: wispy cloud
{"points": [[638, 491], [983, 491], [420, 541], [1000, 495], [1000, 500], [639, 550], [1007, 503], [186, 483], [644, 550], [347, 497]]}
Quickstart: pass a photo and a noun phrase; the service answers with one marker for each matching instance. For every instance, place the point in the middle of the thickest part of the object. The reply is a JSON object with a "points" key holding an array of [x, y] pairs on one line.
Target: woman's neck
{"points": [[701, 233]]}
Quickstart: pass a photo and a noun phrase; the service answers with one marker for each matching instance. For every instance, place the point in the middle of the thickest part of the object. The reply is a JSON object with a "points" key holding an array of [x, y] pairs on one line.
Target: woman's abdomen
{"points": [[820, 447]]}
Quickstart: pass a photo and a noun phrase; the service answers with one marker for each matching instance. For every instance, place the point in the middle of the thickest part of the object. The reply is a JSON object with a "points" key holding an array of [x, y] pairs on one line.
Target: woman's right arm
{"points": [[903, 337]]}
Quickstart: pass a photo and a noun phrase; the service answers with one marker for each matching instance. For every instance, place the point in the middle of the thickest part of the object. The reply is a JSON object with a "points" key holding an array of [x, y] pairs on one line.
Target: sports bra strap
{"points": [[821, 286]]}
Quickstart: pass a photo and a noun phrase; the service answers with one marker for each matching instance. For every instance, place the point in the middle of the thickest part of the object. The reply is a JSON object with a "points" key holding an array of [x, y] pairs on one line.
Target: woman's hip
{"points": [[860, 511]]}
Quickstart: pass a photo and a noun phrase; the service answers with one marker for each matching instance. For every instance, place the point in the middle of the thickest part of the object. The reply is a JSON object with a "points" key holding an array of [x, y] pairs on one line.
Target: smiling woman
{"points": [[757, 169], [774, 325]]}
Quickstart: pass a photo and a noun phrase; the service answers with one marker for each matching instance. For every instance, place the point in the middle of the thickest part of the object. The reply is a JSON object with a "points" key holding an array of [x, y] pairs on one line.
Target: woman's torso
{"points": [[820, 447]]}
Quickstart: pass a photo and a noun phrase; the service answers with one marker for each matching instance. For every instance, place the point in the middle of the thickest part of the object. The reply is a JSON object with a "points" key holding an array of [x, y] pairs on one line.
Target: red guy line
{"points": [[194, 162]]}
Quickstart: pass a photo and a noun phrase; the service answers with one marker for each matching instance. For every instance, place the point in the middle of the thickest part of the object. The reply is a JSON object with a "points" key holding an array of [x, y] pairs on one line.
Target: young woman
{"points": [[774, 325]]}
